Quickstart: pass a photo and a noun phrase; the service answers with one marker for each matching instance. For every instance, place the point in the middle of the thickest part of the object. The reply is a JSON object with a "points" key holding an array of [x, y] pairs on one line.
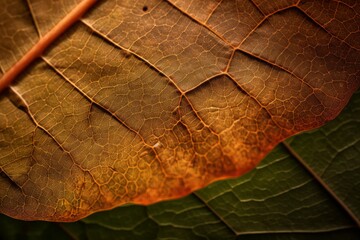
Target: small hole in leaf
{"points": [[145, 8]]}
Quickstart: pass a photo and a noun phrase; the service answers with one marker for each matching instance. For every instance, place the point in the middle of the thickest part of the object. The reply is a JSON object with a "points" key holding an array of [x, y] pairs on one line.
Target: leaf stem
{"points": [[37, 50]]}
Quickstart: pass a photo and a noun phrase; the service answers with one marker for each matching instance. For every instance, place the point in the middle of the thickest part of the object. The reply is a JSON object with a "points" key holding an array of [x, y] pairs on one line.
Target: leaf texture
{"points": [[150, 100], [280, 199]]}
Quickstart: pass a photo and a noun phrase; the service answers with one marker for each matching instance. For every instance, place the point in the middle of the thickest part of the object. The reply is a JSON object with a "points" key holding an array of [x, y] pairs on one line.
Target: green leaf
{"points": [[307, 188]]}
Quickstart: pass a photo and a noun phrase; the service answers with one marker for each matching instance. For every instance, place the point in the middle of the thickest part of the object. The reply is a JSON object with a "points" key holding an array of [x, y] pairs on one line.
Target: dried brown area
{"points": [[147, 100]]}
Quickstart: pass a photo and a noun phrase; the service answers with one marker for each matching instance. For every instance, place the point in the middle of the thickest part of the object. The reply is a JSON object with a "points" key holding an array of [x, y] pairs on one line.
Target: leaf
{"points": [[280, 199], [140, 102]]}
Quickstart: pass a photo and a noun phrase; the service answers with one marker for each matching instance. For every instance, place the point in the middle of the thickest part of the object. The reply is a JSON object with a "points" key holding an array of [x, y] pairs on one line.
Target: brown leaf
{"points": [[149, 100]]}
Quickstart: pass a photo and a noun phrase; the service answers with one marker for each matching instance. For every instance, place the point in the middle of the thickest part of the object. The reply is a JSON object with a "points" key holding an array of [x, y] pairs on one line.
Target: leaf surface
{"points": [[262, 204], [145, 101]]}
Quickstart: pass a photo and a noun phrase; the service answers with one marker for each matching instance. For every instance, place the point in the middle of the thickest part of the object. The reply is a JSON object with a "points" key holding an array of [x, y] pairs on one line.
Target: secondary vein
{"points": [[322, 183]]}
